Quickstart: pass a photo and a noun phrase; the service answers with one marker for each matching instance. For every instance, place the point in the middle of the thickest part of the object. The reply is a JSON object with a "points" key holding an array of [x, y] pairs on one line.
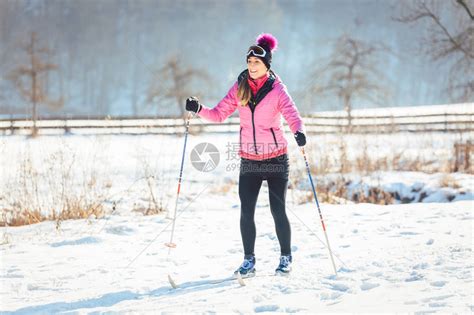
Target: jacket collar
{"points": [[245, 74], [263, 91]]}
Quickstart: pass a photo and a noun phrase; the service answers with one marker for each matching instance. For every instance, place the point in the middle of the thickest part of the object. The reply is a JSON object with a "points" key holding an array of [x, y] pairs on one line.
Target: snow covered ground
{"points": [[399, 258]]}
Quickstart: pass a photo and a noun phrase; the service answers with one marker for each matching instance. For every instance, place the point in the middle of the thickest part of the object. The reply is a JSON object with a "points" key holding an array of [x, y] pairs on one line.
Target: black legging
{"points": [[252, 174]]}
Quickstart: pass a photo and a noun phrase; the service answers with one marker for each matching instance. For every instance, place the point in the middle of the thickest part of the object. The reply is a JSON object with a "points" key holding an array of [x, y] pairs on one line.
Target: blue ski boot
{"points": [[247, 269], [284, 267]]}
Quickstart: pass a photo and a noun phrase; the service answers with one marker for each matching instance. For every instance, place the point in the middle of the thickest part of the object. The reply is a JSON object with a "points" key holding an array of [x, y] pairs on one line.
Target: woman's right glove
{"points": [[300, 138], [193, 105]]}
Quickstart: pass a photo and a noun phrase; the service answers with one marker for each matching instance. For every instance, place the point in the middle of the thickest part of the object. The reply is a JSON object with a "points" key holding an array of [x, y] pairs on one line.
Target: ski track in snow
{"points": [[391, 262]]}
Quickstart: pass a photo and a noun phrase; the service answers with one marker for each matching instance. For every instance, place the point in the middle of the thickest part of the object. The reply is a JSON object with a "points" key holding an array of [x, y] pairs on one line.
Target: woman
{"points": [[261, 99]]}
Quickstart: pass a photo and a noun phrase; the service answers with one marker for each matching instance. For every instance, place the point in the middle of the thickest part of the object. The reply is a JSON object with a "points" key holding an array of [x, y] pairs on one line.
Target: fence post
{"points": [[466, 156], [456, 157], [445, 122]]}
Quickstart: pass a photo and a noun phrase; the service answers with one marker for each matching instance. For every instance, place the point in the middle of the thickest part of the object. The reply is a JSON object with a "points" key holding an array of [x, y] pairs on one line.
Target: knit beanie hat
{"points": [[266, 44]]}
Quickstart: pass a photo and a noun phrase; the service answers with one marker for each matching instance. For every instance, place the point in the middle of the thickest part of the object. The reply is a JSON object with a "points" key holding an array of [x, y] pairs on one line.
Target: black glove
{"points": [[193, 105], [300, 138]]}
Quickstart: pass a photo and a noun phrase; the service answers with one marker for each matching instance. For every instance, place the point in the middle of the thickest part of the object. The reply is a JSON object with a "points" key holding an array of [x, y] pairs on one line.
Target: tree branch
{"points": [[464, 5]]}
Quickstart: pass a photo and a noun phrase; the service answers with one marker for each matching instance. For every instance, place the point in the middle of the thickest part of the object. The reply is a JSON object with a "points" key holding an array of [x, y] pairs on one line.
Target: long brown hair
{"points": [[244, 93]]}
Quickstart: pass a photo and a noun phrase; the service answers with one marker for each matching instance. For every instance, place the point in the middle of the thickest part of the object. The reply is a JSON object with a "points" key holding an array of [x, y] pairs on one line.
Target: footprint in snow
{"points": [[376, 274], [330, 296], [120, 230], [344, 269], [437, 298], [266, 308], [421, 266], [338, 287], [408, 233], [414, 276], [257, 299], [81, 241], [377, 264], [271, 236], [438, 284], [292, 310], [314, 255], [368, 286], [12, 275]]}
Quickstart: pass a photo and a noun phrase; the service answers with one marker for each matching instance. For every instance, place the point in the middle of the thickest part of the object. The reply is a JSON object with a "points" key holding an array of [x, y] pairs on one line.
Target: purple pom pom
{"points": [[268, 40]]}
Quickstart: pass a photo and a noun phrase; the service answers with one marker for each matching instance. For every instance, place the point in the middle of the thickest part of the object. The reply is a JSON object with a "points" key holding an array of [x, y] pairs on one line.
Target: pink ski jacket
{"points": [[261, 127]]}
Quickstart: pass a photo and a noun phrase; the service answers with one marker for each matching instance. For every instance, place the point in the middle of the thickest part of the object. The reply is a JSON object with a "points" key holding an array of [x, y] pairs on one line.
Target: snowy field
{"points": [[413, 257]]}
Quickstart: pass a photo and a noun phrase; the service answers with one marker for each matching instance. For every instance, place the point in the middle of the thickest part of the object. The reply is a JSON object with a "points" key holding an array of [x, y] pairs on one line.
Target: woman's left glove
{"points": [[300, 138], [193, 105]]}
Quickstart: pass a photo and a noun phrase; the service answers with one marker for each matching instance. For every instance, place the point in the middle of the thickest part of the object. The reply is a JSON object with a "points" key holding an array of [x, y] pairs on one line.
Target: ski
{"points": [[174, 285], [240, 280], [235, 277], [172, 282]]}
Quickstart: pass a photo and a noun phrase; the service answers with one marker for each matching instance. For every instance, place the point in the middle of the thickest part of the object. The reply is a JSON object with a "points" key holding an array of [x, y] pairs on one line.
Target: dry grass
{"points": [[375, 195], [60, 186], [80, 209], [225, 187], [46, 189], [73, 210], [366, 164], [448, 181], [49, 191], [334, 192], [337, 192], [150, 210], [6, 238], [155, 193], [23, 217], [337, 158], [345, 166]]}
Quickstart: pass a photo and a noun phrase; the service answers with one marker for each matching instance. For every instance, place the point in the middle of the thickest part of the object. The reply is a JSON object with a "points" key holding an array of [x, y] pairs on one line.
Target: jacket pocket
{"points": [[274, 138]]}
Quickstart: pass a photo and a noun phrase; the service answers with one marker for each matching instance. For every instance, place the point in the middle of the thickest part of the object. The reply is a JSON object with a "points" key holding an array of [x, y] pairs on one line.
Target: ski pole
{"points": [[170, 244], [319, 209]]}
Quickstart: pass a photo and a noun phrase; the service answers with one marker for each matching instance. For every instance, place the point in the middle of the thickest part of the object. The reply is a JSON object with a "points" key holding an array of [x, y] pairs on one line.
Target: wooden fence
{"points": [[327, 123]]}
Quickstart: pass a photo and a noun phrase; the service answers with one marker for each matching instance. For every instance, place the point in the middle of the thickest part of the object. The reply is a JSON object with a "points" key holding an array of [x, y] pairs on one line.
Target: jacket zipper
{"points": [[253, 127], [240, 139], [274, 138]]}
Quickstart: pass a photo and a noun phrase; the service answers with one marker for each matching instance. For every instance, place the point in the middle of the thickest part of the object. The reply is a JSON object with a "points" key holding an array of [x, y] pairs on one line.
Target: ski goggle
{"points": [[256, 51]]}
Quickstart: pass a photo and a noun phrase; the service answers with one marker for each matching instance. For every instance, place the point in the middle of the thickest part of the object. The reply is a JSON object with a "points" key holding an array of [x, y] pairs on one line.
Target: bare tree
{"points": [[34, 92], [172, 82], [352, 72], [449, 38]]}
